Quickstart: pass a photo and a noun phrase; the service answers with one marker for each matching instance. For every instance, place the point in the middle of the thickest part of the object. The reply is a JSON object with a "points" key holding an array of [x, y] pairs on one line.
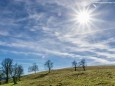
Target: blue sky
{"points": [[37, 30]]}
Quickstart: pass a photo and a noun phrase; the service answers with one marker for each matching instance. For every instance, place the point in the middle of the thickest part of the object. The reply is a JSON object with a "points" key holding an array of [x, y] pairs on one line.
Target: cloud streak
{"points": [[45, 28]]}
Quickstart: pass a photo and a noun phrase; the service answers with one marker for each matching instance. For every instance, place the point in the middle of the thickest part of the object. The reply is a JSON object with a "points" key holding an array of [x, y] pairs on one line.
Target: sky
{"points": [[34, 31]]}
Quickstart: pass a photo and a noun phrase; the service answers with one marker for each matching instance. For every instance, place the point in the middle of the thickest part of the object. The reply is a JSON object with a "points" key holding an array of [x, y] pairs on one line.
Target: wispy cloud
{"points": [[45, 28]]}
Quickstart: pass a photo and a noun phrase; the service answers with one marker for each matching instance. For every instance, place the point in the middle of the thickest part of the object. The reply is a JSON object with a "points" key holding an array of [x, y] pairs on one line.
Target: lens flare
{"points": [[83, 17]]}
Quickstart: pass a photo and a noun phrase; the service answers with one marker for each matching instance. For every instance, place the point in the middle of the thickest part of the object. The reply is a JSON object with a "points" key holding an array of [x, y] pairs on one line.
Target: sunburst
{"points": [[84, 20]]}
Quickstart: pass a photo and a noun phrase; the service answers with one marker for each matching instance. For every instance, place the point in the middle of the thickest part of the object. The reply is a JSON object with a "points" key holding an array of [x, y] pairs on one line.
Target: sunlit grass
{"points": [[94, 76]]}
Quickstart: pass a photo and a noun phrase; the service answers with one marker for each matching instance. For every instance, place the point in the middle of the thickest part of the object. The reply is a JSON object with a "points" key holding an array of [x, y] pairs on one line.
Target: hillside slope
{"points": [[93, 76]]}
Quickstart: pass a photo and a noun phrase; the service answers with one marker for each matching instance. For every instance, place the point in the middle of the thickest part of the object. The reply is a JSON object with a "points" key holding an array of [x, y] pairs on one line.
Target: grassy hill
{"points": [[93, 76]]}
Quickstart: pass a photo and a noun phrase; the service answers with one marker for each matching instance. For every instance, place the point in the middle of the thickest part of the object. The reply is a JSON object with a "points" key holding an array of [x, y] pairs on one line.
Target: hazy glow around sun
{"points": [[83, 17], [84, 20]]}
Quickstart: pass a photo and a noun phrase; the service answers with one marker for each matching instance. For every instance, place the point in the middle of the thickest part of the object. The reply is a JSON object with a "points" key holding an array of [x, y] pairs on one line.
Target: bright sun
{"points": [[83, 17], [84, 20]]}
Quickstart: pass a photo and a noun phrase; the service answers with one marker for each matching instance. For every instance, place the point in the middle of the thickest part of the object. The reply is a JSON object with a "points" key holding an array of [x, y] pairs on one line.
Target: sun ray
{"points": [[84, 19]]}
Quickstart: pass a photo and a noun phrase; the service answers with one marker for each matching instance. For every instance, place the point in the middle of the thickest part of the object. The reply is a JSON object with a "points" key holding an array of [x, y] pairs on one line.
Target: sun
{"points": [[83, 17], [84, 20]]}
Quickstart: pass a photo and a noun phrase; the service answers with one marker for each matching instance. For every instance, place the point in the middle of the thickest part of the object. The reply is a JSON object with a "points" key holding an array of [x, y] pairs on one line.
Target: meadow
{"points": [[93, 76]]}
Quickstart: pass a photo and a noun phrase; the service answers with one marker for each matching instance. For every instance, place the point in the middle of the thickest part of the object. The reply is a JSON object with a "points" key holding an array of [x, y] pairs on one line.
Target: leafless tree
{"points": [[29, 69], [20, 71], [48, 64], [14, 73], [7, 67], [1, 76], [74, 64], [33, 68], [83, 64]]}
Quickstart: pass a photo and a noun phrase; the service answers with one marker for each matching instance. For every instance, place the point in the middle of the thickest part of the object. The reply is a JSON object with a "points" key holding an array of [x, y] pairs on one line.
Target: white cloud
{"points": [[60, 36]]}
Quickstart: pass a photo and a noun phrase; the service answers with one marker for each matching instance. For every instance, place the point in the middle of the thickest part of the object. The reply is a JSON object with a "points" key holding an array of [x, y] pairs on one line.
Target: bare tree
{"points": [[1, 76], [29, 69], [14, 73], [74, 64], [48, 64], [83, 64], [20, 71], [33, 68], [7, 67]]}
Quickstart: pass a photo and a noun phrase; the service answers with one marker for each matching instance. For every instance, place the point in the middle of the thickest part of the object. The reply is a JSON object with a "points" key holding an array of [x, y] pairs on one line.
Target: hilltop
{"points": [[93, 76]]}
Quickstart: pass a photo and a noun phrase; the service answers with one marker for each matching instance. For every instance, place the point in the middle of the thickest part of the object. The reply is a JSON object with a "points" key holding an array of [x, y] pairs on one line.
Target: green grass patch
{"points": [[93, 76]]}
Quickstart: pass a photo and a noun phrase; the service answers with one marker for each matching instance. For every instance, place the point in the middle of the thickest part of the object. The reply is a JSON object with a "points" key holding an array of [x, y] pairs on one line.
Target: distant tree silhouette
{"points": [[20, 71], [48, 64], [14, 73], [1, 76], [29, 69], [7, 67], [83, 64], [33, 68], [74, 64]]}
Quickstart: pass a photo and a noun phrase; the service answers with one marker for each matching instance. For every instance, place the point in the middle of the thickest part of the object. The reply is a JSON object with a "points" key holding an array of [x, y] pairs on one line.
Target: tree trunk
{"points": [[14, 80], [49, 70], [19, 78], [7, 75], [7, 78], [75, 68], [84, 68], [0, 81]]}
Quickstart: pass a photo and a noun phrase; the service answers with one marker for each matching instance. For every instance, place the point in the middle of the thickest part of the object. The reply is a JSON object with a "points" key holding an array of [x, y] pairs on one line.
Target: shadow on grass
{"points": [[41, 76], [78, 74], [104, 84]]}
